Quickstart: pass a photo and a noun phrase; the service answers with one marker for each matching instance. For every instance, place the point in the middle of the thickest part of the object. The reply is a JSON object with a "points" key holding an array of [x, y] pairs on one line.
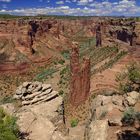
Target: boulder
{"points": [[36, 120], [97, 130], [131, 98], [114, 117], [117, 100], [26, 84], [130, 101], [134, 95], [45, 86], [106, 100]]}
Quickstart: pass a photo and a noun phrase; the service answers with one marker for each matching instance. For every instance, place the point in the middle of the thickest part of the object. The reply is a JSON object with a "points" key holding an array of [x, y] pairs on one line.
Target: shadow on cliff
{"points": [[24, 136], [129, 135]]}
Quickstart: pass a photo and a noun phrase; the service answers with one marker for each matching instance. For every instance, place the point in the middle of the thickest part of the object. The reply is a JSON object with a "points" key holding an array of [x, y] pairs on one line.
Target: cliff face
{"points": [[80, 78], [122, 30], [98, 36], [38, 39]]}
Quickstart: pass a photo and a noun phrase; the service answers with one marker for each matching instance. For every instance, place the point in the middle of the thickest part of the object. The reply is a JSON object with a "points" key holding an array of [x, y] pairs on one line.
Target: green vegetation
{"points": [[8, 127], [137, 19], [6, 99], [61, 61], [125, 87], [7, 16], [64, 77], [134, 73], [74, 122], [61, 92], [44, 75], [130, 80], [65, 54], [130, 117], [110, 63], [41, 16]]}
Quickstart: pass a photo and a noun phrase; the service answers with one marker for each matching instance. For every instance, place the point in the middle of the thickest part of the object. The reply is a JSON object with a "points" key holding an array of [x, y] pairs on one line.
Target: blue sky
{"points": [[71, 7]]}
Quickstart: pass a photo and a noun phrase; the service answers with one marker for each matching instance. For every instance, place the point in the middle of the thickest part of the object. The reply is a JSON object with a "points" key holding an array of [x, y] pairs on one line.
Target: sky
{"points": [[71, 7]]}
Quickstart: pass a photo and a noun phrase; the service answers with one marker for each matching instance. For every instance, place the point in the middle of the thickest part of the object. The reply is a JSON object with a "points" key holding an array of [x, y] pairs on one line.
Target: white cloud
{"points": [[5, 0], [82, 2], [123, 7], [68, 1], [60, 2]]}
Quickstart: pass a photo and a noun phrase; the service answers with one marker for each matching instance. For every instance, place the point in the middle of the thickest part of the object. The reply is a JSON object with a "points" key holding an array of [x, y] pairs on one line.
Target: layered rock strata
{"points": [[35, 92]]}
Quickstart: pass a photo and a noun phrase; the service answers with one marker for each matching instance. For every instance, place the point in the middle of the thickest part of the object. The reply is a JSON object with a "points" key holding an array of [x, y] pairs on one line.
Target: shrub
{"points": [[128, 117], [61, 93], [125, 87], [8, 127], [138, 116], [134, 74], [129, 80], [44, 74], [61, 61], [7, 99], [74, 122], [65, 54]]}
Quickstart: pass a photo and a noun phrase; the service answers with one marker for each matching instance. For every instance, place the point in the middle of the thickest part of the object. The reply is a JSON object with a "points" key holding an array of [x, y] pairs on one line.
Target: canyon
{"points": [[71, 64]]}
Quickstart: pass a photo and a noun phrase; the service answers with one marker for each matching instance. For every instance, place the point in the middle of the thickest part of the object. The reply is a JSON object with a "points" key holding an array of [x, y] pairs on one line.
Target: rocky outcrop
{"points": [[34, 93], [122, 30], [41, 121], [127, 35], [112, 106], [98, 36], [97, 130], [32, 29], [107, 112], [131, 98], [80, 78]]}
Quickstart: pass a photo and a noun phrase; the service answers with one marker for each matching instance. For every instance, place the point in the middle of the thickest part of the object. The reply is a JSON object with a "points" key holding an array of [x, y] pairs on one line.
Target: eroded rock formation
{"points": [[123, 30], [80, 78], [98, 35], [35, 92]]}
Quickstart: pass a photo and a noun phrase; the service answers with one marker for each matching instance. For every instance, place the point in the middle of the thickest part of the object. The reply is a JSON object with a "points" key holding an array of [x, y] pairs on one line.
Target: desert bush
{"points": [[61, 93], [138, 116], [134, 73], [61, 61], [130, 80], [7, 99], [128, 117], [3, 57], [74, 122], [64, 77], [125, 87], [131, 118], [44, 74], [65, 54], [8, 127]]}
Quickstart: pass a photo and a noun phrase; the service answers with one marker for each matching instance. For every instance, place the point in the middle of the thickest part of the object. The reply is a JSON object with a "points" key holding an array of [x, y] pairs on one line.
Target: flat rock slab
{"points": [[36, 120], [98, 130]]}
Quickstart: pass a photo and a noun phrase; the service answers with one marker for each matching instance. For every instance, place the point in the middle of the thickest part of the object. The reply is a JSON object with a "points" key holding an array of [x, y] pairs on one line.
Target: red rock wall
{"points": [[80, 78], [98, 36]]}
